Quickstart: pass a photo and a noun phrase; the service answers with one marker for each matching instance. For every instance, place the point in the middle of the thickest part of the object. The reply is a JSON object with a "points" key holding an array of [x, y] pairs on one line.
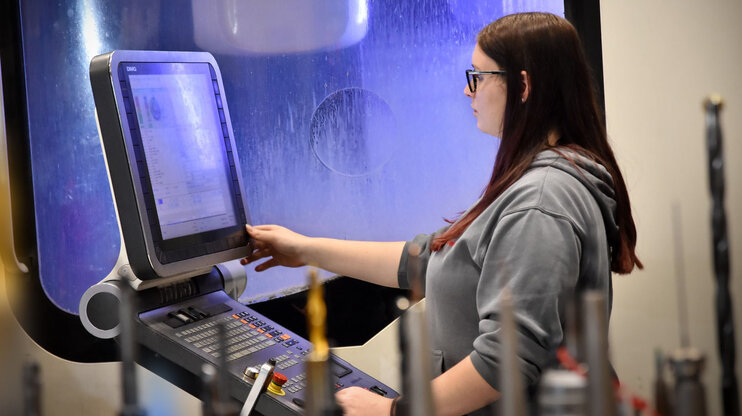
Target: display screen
{"points": [[183, 143]]}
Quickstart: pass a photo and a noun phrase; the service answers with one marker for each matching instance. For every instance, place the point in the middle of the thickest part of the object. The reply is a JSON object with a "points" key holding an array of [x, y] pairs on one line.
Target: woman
{"points": [[554, 219]]}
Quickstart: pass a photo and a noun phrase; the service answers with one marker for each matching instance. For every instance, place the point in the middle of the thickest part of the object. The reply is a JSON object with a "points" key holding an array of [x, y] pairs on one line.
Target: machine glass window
{"points": [[336, 136]]}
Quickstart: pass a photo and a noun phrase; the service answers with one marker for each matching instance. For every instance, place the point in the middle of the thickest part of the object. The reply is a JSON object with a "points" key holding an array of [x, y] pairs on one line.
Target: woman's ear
{"points": [[525, 82]]}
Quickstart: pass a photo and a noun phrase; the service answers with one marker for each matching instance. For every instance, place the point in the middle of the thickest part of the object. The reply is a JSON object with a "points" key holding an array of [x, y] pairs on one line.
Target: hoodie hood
{"points": [[592, 175]]}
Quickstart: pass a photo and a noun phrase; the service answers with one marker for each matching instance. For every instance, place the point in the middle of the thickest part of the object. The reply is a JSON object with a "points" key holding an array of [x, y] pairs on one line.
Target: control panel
{"points": [[187, 333]]}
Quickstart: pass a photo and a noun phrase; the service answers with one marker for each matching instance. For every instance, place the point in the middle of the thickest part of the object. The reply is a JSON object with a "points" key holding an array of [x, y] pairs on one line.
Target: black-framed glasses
{"points": [[473, 77]]}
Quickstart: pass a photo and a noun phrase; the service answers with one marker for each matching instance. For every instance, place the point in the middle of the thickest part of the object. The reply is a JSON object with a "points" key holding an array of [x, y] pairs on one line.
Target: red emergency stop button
{"points": [[279, 378]]}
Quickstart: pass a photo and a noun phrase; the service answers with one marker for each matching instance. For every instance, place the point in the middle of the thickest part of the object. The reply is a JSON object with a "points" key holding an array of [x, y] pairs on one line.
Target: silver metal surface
{"points": [[234, 276], [677, 228], [562, 393], [690, 395], [104, 287]]}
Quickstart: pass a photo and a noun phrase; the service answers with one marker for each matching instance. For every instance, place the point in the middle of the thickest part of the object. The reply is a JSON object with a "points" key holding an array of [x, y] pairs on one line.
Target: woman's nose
{"points": [[467, 91]]}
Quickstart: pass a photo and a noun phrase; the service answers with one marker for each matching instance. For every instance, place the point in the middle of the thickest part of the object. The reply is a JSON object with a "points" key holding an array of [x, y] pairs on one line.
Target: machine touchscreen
{"points": [[187, 211], [180, 133]]}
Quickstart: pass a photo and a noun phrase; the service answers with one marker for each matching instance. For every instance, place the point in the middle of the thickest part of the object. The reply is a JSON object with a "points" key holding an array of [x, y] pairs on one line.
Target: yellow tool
{"points": [[320, 393], [316, 319]]}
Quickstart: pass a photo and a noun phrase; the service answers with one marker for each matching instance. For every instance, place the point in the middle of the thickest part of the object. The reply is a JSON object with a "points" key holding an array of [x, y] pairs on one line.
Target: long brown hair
{"points": [[562, 99]]}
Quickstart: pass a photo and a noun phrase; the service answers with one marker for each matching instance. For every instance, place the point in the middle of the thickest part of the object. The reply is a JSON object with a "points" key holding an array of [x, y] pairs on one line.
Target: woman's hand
{"points": [[283, 246], [357, 401], [375, 262]]}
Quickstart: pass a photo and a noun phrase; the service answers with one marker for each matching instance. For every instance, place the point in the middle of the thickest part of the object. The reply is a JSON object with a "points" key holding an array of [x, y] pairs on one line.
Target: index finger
{"points": [[264, 227]]}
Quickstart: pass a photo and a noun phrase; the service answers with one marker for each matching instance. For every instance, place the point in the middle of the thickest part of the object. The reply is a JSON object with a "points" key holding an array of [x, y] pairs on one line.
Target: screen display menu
{"points": [[181, 135]]}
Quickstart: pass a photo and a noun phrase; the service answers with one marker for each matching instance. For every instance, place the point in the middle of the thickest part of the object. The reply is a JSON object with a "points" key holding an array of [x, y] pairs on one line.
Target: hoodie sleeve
{"points": [[536, 255], [405, 267]]}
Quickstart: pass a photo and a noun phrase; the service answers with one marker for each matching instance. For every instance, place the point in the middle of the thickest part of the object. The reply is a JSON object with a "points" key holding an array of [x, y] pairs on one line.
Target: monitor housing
{"points": [[172, 161]]}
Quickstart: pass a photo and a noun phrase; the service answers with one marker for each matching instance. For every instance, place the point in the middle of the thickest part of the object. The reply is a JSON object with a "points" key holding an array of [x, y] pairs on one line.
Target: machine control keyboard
{"points": [[251, 339]]}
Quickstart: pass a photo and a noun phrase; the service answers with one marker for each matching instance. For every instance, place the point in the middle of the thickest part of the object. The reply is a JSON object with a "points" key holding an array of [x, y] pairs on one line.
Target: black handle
{"points": [[720, 248]]}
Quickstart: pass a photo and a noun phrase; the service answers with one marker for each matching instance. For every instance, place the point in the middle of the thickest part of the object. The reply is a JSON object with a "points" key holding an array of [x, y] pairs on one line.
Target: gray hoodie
{"points": [[545, 237]]}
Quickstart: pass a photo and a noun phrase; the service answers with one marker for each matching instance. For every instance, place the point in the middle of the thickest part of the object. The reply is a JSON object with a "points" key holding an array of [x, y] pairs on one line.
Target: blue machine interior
{"points": [[360, 133]]}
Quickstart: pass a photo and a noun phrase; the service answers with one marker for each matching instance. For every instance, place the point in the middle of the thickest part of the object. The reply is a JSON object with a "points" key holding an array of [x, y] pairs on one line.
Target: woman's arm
{"points": [[458, 391], [375, 262], [461, 390]]}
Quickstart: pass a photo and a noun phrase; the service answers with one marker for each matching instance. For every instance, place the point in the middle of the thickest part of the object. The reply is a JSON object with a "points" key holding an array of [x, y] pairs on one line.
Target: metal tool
{"points": [[661, 395], [687, 362], [512, 402], [209, 390], [601, 399], [223, 405], [572, 329], [402, 404], [724, 315], [127, 346], [562, 393], [261, 383], [677, 230], [690, 397], [320, 397], [417, 394]]}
